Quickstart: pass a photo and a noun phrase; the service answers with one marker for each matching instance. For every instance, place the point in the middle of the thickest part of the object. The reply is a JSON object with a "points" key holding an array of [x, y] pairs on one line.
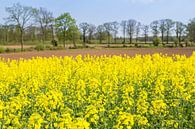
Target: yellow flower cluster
{"points": [[151, 91]]}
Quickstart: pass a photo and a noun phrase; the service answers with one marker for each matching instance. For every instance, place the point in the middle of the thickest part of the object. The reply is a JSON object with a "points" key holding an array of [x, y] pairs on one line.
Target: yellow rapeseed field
{"points": [[104, 92]]}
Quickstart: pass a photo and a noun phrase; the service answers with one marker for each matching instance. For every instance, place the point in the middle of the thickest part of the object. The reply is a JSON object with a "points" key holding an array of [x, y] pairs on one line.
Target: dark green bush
{"points": [[156, 41], [176, 42], [40, 47], [2, 50], [54, 43]]}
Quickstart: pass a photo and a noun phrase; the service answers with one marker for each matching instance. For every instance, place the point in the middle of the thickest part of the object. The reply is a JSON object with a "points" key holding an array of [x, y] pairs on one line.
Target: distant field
{"points": [[111, 51]]}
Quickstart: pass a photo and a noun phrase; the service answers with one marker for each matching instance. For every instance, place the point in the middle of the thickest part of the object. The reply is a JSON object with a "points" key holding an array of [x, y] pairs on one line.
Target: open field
{"points": [[98, 92], [129, 51]]}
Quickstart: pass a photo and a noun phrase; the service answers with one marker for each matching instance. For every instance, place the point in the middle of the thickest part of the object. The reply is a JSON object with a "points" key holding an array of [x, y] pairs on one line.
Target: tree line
{"points": [[31, 24]]}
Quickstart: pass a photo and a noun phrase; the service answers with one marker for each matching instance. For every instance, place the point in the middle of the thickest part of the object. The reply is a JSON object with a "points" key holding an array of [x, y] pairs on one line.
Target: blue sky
{"points": [[100, 11]]}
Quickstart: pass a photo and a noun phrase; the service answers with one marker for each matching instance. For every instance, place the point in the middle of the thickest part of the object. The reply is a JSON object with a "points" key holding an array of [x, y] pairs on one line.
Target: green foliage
{"points": [[176, 42], [73, 34], [48, 47], [63, 23], [2, 50], [156, 41], [54, 43], [191, 30], [187, 42], [39, 47]]}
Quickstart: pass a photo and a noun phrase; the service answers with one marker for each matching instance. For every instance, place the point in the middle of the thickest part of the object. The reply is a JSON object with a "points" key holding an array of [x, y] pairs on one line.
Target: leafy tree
{"points": [[30, 33], [191, 30], [74, 35], [131, 26], [20, 16], [63, 23]]}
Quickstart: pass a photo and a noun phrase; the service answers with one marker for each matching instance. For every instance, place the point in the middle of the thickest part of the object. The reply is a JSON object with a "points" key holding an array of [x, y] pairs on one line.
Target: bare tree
{"points": [[155, 28], [100, 30], [91, 30], [169, 24], [108, 28], [44, 18], [138, 28], [145, 29], [84, 28], [20, 16], [115, 29], [124, 28], [162, 29], [131, 26], [179, 30]]}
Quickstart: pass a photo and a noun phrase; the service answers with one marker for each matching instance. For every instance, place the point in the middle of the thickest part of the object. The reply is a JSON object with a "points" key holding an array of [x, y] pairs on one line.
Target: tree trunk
{"points": [[162, 38], [74, 43], [100, 38], [124, 40], [130, 39], [43, 34], [84, 37], [64, 37], [115, 39], [21, 39], [108, 39], [52, 32]]}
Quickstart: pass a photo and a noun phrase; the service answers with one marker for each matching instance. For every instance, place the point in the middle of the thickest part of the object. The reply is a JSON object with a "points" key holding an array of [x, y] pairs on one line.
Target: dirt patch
{"points": [[131, 52]]}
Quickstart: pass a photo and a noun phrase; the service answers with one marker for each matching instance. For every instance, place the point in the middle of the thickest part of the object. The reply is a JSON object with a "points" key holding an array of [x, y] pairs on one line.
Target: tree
{"points": [[44, 18], [162, 29], [84, 28], [169, 24], [63, 23], [145, 29], [74, 34], [4, 33], [138, 28], [179, 30], [155, 28], [115, 26], [124, 28], [108, 28], [20, 16], [191, 30], [91, 30], [131, 26], [100, 30], [30, 33]]}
